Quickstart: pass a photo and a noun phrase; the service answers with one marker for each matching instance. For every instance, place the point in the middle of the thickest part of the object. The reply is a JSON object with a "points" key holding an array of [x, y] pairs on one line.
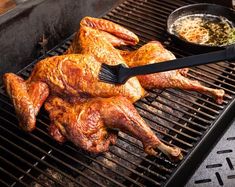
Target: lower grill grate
{"points": [[179, 118]]}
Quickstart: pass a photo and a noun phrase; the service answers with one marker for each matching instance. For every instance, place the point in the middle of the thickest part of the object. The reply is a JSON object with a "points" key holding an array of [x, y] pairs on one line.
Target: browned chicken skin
{"points": [[90, 123], [152, 52]]}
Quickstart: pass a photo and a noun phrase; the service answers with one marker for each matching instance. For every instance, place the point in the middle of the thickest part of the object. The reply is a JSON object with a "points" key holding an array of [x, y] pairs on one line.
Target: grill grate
{"points": [[179, 118]]}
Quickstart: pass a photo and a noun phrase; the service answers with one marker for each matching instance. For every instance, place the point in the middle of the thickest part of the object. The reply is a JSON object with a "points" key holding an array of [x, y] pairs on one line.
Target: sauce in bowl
{"points": [[204, 29]]}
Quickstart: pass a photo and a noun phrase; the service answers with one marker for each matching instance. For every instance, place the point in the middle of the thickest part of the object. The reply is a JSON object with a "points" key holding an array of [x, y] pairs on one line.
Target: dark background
{"points": [[22, 28]]}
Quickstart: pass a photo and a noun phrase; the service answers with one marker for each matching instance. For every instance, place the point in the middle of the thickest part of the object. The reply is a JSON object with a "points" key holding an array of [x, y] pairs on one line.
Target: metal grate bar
{"points": [[96, 161], [3, 183], [227, 66], [152, 29], [165, 126], [214, 85], [19, 169], [12, 176], [189, 107], [150, 22], [177, 3], [216, 74], [137, 11], [161, 177], [166, 142], [134, 27], [32, 166], [166, 119], [199, 99], [161, 159], [215, 112], [222, 70], [162, 10], [167, 7], [180, 118], [145, 159], [142, 9], [168, 135], [186, 113], [133, 171], [213, 79]]}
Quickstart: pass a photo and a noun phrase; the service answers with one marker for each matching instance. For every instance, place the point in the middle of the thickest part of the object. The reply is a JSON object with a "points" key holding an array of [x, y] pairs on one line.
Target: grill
{"points": [[185, 119]]}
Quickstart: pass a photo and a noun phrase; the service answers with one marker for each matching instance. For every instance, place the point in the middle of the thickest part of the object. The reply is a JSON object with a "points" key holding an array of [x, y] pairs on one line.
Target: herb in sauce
{"points": [[205, 29]]}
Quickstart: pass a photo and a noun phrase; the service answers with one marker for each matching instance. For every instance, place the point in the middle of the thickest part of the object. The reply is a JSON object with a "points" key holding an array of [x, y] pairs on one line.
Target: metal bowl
{"points": [[201, 8]]}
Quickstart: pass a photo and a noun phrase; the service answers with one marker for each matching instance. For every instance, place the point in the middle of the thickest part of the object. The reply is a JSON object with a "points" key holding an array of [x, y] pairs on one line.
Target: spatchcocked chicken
{"points": [[83, 109]]}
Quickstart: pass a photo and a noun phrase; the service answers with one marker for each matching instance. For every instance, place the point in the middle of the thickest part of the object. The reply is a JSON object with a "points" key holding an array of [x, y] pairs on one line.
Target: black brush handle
{"points": [[196, 60]]}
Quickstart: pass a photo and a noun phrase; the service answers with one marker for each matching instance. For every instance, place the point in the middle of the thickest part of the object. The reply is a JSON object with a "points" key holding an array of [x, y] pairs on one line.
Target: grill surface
{"points": [[179, 118]]}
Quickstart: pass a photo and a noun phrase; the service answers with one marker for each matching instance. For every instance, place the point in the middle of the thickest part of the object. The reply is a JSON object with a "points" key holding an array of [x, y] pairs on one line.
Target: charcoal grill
{"points": [[185, 119]]}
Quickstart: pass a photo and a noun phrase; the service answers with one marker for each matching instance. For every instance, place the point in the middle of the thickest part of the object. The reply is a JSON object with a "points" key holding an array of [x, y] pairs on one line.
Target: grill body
{"points": [[185, 119]]}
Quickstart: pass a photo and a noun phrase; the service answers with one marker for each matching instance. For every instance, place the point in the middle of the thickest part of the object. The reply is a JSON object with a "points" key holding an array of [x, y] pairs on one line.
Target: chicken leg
{"points": [[154, 52], [93, 124]]}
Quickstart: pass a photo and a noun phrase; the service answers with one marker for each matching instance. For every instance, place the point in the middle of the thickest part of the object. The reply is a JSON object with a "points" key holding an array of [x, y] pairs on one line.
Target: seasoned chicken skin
{"points": [[152, 52], [92, 124], [76, 75]]}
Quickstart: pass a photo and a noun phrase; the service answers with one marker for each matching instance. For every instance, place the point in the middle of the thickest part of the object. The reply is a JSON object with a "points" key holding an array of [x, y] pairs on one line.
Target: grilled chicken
{"points": [[94, 34], [93, 124], [71, 81]]}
